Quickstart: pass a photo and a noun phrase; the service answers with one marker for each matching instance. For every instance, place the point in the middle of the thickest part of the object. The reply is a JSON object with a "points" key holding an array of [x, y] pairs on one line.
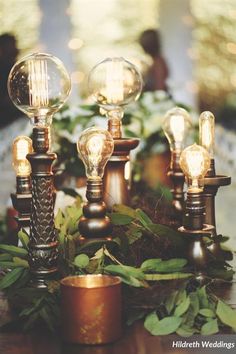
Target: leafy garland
{"points": [[144, 254]]}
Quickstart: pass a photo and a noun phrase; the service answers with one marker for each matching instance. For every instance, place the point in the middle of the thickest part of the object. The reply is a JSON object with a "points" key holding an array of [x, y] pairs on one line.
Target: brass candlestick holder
{"points": [[212, 182], [195, 162], [21, 200], [176, 125], [114, 83], [39, 85], [95, 146]]}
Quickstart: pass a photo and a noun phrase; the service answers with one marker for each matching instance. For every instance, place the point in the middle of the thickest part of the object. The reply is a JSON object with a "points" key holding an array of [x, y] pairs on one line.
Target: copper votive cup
{"points": [[91, 309]]}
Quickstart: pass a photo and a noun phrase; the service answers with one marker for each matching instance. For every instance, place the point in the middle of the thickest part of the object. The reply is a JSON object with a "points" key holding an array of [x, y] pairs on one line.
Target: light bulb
{"points": [[194, 161], [207, 131], [113, 83], [21, 146], [95, 146], [176, 125], [39, 85]]}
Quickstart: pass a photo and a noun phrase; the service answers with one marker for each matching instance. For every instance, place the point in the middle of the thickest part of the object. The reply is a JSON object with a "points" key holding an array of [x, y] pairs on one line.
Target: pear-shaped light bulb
{"points": [[21, 146], [114, 82], [207, 131], [194, 161], [39, 85], [176, 125], [95, 146]]}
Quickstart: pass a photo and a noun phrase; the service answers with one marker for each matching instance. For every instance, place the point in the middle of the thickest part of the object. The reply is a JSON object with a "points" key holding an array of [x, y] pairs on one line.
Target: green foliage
{"points": [[180, 310]]}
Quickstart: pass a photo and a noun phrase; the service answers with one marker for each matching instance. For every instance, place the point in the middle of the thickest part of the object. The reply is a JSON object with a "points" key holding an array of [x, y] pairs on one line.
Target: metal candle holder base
{"points": [[212, 183], [21, 201], [116, 187], [94, 224], [177, 178], [43, 252], [194, 225]]}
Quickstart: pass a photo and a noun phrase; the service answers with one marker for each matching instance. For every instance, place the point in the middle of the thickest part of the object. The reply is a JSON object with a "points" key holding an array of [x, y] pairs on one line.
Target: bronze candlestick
{"points": [[212, 182], [21, 200], [43, 252], [94, 223], [195, 162], [95, 146]]}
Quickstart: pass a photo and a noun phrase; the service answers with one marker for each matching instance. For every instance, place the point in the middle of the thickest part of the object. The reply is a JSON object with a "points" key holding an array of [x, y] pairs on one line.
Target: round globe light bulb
{"points": [[114, 82], [176, 125], [207, 131], [195, 162], [21, 146], [39, 85], [95, 146]]}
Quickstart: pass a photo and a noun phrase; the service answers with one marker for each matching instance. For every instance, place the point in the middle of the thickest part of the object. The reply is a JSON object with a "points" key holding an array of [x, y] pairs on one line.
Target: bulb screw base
{"points": [[114, 127], [43, 252], [116, 187], [212, 183], [177, 178], [94, 224]]}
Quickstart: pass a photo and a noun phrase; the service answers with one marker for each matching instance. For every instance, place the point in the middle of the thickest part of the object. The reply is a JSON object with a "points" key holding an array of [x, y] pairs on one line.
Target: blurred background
{"points": [[198, 41]]}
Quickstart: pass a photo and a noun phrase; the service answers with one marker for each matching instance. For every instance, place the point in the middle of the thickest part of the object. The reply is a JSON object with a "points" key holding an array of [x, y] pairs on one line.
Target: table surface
{"points": [[136, 340]]}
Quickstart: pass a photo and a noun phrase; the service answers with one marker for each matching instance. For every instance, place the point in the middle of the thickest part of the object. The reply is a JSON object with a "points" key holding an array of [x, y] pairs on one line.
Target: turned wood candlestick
{"points": [[177, 178], [43, 252]]}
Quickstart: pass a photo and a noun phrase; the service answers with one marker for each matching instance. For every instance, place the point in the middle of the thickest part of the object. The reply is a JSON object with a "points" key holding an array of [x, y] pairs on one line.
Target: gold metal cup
{"points": [[91, 309]]}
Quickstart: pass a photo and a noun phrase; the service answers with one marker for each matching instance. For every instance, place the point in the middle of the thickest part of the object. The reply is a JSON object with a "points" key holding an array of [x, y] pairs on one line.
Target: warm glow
{"points": [[114, 82], [207, 131], [194, 161], [176, 125], [20, 148], [75, 43], [95, 146], [38, 83]]}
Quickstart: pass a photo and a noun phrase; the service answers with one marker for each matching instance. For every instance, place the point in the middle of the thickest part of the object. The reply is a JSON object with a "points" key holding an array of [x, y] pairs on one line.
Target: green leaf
{"points": [[47, 318], [5, 257], [185, 331], [207, 313], [182, 307], [203, 298], [125, 210], [165, 326], [7, 265], [150, 264], [153, 277], [14, 250], [20, 262], [81, 261], [143, 218], [209, 328], [172, 265], [189, 317], [59, 219], [11, 277], [226, 314], [120, 219], [177, 239], [24, 238], [151, 321], [129, 275], [170, 301]]}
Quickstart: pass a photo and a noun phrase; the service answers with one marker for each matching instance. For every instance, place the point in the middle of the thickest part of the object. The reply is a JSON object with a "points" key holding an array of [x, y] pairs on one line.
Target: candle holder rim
{"points": [[112, 281], [218, 180]]}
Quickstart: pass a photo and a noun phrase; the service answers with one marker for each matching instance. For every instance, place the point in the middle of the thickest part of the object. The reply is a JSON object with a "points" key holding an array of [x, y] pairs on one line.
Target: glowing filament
{"points": [[38, 83], [114, 82]]}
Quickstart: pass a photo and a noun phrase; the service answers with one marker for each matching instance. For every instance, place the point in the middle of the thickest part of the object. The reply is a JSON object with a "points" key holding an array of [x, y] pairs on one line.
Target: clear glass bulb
{"points": [[114, 82], [95, 146], [195, 162], [21, 146], [176, 125], [39, 85], [207, 131]]}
